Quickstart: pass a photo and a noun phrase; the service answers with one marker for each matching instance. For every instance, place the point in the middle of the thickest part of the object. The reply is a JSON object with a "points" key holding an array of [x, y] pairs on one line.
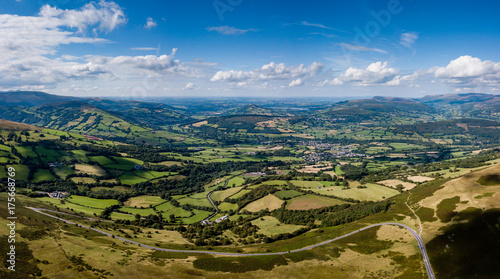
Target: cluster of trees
{"points": [[331, 216], [354, 172]]}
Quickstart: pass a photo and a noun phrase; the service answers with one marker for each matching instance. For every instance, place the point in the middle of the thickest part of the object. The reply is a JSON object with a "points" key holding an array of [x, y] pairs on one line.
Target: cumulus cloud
{"points": [[189, 86], [360, 48], [375, 74], [106, 16], [43, 34], [469, 72], [271, 71], [150, 23], [27, 40], [297, 82], [229, 30], [408, 39], [52, 27], [148, 62]]}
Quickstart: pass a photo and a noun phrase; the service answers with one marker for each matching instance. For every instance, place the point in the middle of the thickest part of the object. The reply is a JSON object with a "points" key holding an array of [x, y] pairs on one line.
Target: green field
{"points": [[235, 182], [130, 178], [195, 202], [47, 155], [166, 206], [140, 211], [42, 175], [101, 160], [26, 151], [63, 171], [177, 211], [118, 215], [198, 216], [5, 148], [270, 226], [73, 207], [240, 194], [225, 206], [22, 172], [221, 195], [80, 155], [398, 146], [91, 202], [288, 194], [128, 161], [372, 192]]}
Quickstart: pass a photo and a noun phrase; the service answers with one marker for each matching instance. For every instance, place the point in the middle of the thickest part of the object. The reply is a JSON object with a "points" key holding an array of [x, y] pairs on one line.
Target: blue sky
{"points": [[250, 47]]}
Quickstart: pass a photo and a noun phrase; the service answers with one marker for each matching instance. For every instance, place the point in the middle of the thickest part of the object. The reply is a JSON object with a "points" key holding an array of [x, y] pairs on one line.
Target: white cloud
{"points": [[144, 48], [189, 86], [408, 39], [469, 72], [375, 74], [322, 26], [360, 48], [297, 82], [105, 15], [271, 71], [151, 65], [26, 40], [228, 30], [324, 35], [305, 23], [150, 23]]}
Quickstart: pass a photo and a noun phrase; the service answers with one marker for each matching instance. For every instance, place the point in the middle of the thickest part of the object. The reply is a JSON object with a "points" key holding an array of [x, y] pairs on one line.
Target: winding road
{"points": [[213, 204], [421, 245]]}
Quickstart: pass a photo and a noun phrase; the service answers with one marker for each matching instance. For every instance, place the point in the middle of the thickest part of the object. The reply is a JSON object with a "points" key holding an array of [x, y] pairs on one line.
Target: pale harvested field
{"points": [[268, 124], [419, 178], [394, 182], [313, 168], [144, 201], [199, 124], [286, 130], [307, 202], [84, 180], [270, 202], [89, 169]]}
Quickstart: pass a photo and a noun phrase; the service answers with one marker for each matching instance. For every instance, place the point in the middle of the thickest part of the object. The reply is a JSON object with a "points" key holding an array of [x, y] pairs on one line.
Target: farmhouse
{"points": [[57, 195], [218, 220]]}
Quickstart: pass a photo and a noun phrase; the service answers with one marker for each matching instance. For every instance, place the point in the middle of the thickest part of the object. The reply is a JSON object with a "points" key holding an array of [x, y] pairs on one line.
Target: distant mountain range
{"points": [[63, 112], [99, 115]]}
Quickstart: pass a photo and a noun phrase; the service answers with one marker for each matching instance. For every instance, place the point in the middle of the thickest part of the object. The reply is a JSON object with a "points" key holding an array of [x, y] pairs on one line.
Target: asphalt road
{"points": [[417, 237], [215, 207]]}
